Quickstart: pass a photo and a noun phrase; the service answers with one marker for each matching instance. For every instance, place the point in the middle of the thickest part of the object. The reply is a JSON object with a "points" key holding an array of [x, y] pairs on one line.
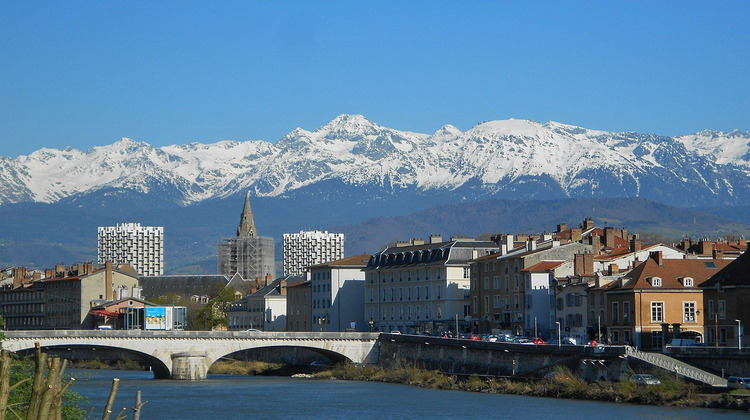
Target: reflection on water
{"points": [[249, 397]]}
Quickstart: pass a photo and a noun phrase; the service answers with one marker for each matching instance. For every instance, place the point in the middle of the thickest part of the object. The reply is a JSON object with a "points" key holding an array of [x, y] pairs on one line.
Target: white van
{"points": [[104, 327]]}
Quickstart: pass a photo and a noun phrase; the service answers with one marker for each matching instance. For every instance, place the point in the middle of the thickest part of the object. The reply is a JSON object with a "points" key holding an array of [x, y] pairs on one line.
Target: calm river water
{"points": [[248, 397]]}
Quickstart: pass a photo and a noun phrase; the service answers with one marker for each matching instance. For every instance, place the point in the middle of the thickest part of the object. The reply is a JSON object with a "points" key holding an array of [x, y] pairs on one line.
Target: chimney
{"points": [[509, 242], [531, 245], [613, 269], [562, 227], [635, 245], [609, 237], [417, 241], [583, 264], [686, 243], [718, 254], [657, 256], [594, 242], [705, 246], [588, 223], [434, 239], [108, 280], [269, 279], [575, 234]]}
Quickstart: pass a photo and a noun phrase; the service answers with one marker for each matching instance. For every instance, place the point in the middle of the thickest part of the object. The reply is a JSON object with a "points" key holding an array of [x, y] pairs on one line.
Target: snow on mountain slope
{"points": [[727, 148], [492, 157]]}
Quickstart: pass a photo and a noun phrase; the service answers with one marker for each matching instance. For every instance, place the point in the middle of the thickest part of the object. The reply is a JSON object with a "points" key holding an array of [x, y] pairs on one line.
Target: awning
{"points": [[103, 312]]}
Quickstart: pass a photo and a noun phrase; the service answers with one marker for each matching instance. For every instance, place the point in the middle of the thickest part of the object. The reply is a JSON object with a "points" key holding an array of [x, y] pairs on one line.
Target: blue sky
{"points": [[83, 74]]}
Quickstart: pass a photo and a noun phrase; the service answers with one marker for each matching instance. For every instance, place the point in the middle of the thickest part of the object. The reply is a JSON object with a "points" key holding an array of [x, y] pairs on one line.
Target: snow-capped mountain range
{"points": [[510, 158]]}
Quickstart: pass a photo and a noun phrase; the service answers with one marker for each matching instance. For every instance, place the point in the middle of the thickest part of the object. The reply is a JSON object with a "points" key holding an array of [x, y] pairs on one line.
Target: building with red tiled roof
{"points": [[658, 300], [725, 296]]}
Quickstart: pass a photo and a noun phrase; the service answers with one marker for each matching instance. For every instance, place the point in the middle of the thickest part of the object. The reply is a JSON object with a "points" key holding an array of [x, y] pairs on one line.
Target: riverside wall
{"points": [[469, 357]]}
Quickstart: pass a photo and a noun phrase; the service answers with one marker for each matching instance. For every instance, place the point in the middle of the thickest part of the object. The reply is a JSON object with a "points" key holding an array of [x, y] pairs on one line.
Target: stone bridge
{"points": [[189, 354]]}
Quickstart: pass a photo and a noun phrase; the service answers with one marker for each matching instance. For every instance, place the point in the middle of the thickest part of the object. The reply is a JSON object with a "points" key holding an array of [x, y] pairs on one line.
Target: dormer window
{"points": [[687, 281], [655, 281]]}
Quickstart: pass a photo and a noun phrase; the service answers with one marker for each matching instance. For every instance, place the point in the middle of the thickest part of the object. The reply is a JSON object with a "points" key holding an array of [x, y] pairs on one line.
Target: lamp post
{"points": [[536, 334], [559, 338], [739, 334], [599, 331]]}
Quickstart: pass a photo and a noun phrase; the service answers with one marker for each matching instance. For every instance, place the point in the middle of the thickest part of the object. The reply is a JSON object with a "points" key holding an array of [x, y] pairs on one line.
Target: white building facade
{"points": [[307, 248], [130, 243], [338, 295]]}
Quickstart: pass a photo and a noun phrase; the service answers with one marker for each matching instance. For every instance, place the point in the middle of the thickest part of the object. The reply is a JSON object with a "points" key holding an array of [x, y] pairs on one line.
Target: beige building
{"points": [[63, 300], [659, 300]]}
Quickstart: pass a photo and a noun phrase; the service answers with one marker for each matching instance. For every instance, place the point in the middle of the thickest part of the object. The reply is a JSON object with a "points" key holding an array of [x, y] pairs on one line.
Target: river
{"points": [[255, 397]]}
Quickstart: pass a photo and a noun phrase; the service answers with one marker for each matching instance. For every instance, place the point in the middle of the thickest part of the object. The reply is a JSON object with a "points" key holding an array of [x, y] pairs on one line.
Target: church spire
{"points": [[247, 222]]}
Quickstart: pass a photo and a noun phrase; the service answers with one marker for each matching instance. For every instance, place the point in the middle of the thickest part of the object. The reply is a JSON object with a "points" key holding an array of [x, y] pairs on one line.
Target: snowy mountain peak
{"points": [[509, 158]]}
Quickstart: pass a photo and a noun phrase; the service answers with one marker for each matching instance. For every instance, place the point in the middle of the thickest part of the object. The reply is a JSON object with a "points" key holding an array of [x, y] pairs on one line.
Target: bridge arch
{"points": [[75, 352], [189, 354]]}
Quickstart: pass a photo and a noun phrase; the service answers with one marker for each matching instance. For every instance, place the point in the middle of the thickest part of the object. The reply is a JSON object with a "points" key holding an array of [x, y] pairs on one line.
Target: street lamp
{"points": [[536, 334], [739, 334], [559, 338]]}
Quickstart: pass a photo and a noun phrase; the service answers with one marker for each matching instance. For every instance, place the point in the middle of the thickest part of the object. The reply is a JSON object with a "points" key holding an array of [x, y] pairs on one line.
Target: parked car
{"points": [[738, 382], [537, 340], [475, 337], [521, 340], [642, 379], [491, 338]]}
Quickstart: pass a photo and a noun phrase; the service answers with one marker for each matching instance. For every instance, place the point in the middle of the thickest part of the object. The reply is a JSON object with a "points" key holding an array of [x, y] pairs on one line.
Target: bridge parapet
{"points": [[189, 354]]}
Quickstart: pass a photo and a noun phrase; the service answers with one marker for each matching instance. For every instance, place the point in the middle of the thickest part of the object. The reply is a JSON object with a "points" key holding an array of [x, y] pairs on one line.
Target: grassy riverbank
{"points": [[671, 392]]}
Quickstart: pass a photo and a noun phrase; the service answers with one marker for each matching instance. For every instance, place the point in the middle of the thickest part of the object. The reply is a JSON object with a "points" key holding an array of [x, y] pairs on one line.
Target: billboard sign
{"points": [[156, 318]]}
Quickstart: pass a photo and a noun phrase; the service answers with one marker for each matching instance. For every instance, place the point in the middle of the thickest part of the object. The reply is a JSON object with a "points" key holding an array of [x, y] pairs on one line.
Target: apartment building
{"points": [[142, 247], [659, 300], [307, 248], [63, 299], [725, 298], [498, 284], [421, 287], [338, 294]]}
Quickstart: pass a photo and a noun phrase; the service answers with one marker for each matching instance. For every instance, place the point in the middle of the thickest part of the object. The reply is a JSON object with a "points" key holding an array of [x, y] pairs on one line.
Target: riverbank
{"points": [[671, 392]]}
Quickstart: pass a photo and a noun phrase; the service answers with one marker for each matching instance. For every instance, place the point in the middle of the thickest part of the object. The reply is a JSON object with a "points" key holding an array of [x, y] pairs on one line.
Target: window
{"points": [[626, 336], [486, 304], [507, 283], [615, 336], [687, 282], [615, 312], [626, 313], [657, 340], [438, 291], [711, 311], [722, 309], [688, 310], [515, 300], [722, 336], [467, 273], [486, 283], [496, 302], [475, 304], [528, 301], [657, 311], [496, 282], [656, 281], [515, 278]]}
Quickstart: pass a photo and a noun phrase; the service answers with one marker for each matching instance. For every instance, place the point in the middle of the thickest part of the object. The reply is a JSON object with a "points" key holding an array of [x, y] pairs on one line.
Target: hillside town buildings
{"points": [[307, 248], [248, 254], [141, 247]]}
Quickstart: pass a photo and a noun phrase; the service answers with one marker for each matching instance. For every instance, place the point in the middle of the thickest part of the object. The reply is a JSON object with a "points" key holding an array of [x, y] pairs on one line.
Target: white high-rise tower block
{"points": [[130, 243]]}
